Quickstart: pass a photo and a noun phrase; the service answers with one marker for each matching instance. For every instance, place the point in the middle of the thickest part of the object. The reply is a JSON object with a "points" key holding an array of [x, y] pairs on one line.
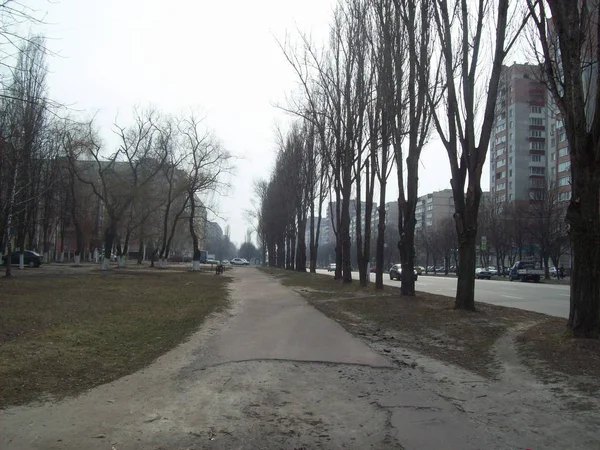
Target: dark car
{"points": [[31, 259], [483, 274], [396, 272]]}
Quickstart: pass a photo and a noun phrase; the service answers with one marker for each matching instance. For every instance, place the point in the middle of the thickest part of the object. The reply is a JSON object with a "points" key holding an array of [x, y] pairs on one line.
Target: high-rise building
{"points": [[518, 145], [433, 208]]}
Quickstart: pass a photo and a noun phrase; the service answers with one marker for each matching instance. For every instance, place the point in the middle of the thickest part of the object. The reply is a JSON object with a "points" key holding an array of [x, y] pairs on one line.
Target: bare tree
{"points": [[117, 179], [546, 226], [461, 28], [569, 49], [206, 165], [23, 123]]}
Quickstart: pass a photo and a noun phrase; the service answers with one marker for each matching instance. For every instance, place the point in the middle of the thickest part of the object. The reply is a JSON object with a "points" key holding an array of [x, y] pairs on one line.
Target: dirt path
{"points": [[271, 373]]}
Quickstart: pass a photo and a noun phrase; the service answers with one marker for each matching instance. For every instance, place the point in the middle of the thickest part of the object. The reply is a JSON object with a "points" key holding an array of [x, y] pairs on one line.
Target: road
{"points": [[551, 299]]}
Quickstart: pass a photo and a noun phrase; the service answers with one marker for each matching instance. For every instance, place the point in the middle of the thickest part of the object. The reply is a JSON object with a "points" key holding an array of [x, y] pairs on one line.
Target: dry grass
{"points": [[547, 348], [62, 334]]}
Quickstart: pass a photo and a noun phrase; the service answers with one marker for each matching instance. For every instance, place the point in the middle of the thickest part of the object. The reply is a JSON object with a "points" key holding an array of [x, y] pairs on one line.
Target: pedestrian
{"points": [[562, 272]]}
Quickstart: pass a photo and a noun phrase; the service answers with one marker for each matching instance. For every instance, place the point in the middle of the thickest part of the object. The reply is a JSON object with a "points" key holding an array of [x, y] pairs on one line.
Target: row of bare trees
{"points": [[362, 112], [395, 70], [59, 179]]}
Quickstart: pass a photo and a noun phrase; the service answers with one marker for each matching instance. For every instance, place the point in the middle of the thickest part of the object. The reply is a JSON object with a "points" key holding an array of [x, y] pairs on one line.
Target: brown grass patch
{"points": [[547, 348], [60, 335]]}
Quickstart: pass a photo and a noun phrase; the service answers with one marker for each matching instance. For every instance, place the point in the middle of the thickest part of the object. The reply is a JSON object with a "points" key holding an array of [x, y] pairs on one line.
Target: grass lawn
{"points": [[429, 324], [62, 334]]}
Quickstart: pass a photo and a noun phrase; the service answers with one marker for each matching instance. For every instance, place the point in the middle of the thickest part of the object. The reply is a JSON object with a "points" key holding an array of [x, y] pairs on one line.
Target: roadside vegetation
{"points": [[63, 334]]}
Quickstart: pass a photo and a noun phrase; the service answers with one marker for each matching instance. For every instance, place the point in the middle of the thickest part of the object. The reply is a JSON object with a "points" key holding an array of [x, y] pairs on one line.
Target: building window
{"points": [[536, 133], [537, 183], [536, 110], [510, 160], [501, 127], [510, 185], [563, 151], [537, 170], [562, 136], [511, 124], [511, 136], [564, 196], [509, 148], [564, 181], [510, 197], [564, 166], [500, 139], [536, 121], [501, 186], [502, 198], [510, 173], [536, 145], [553, 156], [536, 158], [499, 175], [500, 162]]}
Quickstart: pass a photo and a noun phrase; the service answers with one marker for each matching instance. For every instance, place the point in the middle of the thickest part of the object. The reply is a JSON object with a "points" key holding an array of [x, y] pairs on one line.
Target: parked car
{"points": [[245, 261], [331, 267], [492, 270], [237, 262], [525, 271], [420, 270], [226, 262], [396, 272], [373, 268], [30, 259], [483, 273]]}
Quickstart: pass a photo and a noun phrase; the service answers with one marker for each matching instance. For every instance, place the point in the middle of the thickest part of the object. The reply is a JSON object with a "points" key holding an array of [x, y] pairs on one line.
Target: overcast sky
{"points": [[218, 57]]}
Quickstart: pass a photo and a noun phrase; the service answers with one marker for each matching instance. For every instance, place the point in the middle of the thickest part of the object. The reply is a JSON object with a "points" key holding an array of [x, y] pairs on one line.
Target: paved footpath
{"points": [[270, 373]]}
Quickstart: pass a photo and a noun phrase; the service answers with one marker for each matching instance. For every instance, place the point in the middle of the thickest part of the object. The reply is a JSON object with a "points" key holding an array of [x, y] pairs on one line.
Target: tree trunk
{"points": [[311, 243], [141, 250], [301, 248], [109, 239], [407, 257], [345, 236], [583, 224], [195, 243], [338, 235], [379, 249], [465, 290], [292, 250]]}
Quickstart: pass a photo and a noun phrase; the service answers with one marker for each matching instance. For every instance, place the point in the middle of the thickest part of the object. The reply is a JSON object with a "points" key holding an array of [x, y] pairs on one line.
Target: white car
{"points": [[238, 262]]}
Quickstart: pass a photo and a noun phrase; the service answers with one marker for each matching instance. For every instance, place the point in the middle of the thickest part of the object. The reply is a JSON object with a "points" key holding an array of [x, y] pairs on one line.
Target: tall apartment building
{"points": [[519, 147], [433, 208], [559, 159]]}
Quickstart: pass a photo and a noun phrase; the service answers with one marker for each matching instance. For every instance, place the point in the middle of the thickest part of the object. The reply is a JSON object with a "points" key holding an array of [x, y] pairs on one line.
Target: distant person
{"points": [[561, 272]]}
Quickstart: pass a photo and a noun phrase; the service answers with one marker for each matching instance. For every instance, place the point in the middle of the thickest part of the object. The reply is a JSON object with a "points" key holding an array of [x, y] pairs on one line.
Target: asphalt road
{"points": [[551, 299]]}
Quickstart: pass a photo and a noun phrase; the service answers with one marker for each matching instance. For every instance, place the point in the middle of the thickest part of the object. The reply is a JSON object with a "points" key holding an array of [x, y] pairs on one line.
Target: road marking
{"points": [[510, 296]]}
